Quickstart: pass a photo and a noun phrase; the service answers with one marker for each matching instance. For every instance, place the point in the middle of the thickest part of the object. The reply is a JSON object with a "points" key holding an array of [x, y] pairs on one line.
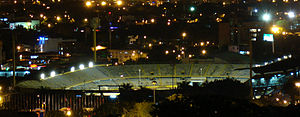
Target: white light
{"points": [[52, 74], [113, 96], [290, 56], [291, 14], [285, 57], [255, 10], [279, 59], [91, 64], [42, 76], [266, 63], [72, 69], [81, 66], [266, 17]]}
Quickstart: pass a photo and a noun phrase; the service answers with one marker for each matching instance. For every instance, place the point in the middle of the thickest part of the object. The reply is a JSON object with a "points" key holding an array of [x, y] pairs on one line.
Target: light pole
{"points": [[94, 25], [154, 83], [297, 84], [183, 35], [275, 30], [139, 77]]}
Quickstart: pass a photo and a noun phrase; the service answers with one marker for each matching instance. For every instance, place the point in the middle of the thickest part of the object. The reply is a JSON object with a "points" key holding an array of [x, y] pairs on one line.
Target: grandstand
{"points": [[166, 75]]}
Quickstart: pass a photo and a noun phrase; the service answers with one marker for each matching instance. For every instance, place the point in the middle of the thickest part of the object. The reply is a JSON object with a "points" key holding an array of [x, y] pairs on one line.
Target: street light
{"points": [[266, 17], [297, 84], [140, 76], [183, 35], [276, 30], [291, 14], [154, 83]]}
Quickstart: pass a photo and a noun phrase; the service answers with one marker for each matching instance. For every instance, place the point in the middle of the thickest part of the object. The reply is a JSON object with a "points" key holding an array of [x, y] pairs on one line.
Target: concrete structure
{"points": [[166, 75]]}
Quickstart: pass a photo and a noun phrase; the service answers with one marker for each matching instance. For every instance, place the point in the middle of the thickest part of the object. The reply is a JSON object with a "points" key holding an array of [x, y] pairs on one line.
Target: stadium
{"points": [[109, 77]]}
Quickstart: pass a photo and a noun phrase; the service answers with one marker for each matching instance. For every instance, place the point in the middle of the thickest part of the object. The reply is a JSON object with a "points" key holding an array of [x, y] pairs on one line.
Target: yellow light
{"points": [[58, 18], [0, 88], [152, 20], [297, 84], [103, 3], [49, 25], [203, 52], [88, 3], [69, 113], [275, 29], [190, 56], [18, 47], [167, 52], [183, 34], [85, 19], [202, 44], [150, 45], [99, 47], [41, 15], [119, 2]]}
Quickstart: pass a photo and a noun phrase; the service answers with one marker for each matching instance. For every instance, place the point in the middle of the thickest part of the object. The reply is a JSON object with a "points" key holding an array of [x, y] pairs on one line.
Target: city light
{"points": [[291, 14], [58, 18], [68, 113], [103, 3], [203, 52], [119, 2], [152, 20], [52, 74], [167, 52], [72, 69], [275, 29], [42, 76], [183, 34], [91, 64], [85, 19], [192, 8], [266, 17], [88, 3], [81, 66], [297, 84]]}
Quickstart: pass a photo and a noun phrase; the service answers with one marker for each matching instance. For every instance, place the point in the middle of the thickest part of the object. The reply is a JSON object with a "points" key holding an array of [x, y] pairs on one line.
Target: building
{"points": [[46, 44], [126, 55]]}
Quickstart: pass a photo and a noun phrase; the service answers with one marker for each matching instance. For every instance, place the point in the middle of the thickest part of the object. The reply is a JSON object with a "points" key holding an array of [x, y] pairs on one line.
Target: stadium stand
{"points": [[166, 75]]}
